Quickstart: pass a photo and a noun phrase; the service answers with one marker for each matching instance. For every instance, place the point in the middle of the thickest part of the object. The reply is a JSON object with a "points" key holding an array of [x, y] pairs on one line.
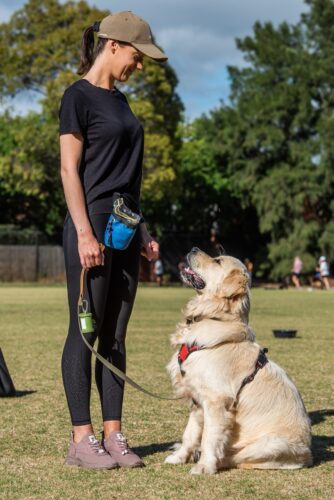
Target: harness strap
{"points": [[104, 361], [262, 360], [185, 351]]}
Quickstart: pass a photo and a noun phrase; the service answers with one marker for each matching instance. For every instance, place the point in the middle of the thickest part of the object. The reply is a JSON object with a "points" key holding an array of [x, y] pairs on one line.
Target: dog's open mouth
{"points": [[190, 278]]}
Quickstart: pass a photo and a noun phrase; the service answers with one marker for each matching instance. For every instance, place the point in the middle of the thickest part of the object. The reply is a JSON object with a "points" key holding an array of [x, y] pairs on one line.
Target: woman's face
{"points": [[125, 60]]}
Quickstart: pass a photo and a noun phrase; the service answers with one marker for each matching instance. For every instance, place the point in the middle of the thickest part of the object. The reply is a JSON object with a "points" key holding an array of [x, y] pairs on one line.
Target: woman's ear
{"points": [[113, 45]]}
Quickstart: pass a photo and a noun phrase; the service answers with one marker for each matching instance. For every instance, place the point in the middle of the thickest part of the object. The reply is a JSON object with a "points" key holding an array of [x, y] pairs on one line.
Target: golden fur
{"points": [[266, 426]]}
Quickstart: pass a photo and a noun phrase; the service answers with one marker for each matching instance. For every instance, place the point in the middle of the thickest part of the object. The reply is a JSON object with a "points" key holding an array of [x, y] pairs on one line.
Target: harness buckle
{"points": [[262, 359]]}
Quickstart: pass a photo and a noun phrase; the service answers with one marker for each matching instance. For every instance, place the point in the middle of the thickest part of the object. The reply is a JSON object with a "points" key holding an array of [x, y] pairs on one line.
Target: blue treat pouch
{"points": [[121, 226]]}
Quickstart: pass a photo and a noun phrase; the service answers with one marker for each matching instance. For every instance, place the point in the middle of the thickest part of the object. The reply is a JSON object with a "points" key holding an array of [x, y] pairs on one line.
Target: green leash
{"points": [[86, 325]]}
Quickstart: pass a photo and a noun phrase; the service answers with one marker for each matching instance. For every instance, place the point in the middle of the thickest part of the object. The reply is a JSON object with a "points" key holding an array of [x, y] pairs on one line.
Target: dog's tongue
{"points": [[189, 271]]}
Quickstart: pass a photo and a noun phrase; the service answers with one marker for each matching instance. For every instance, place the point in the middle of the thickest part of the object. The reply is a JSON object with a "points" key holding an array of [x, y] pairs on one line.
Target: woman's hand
{"points": [[89, 250], [149, 246]]}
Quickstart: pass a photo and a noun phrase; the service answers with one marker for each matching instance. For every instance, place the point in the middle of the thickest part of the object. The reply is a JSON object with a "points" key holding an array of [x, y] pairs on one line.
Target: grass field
{"points": [[34, 430]]}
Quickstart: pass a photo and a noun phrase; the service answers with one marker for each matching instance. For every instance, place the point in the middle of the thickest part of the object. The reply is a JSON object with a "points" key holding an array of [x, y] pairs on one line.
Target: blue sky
{"points": [[198, 37]]}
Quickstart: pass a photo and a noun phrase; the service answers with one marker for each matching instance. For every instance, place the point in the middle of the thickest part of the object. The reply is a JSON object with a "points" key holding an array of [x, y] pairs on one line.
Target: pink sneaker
{"points": [[117, 446], [88, 453]]}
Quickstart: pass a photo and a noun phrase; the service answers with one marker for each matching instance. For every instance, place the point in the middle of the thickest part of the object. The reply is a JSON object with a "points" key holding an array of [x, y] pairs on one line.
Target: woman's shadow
{"points": [[321, 445]]}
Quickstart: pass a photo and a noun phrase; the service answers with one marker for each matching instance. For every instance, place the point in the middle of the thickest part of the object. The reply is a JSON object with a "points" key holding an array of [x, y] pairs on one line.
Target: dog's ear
{"points": [[235, 284]]}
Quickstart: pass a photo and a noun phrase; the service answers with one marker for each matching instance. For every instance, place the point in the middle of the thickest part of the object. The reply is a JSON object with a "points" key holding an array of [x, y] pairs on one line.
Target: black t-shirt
{"points": [[113, 143]]}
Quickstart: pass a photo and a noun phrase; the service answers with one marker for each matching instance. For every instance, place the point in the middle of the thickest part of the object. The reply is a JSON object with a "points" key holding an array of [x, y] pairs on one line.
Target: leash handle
{"points": [[82, 280]]}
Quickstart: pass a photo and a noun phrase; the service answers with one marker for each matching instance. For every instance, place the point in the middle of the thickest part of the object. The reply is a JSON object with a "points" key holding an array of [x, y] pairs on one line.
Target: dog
{"points": [[245, 412]]}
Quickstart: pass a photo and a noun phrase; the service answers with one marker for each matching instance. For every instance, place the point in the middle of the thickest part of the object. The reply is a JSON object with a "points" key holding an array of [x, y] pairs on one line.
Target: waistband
{"points": [[104, 205]]}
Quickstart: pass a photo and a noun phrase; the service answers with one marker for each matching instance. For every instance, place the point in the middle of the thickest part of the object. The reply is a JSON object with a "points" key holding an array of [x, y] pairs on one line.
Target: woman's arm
{"points": [[71, 147]]}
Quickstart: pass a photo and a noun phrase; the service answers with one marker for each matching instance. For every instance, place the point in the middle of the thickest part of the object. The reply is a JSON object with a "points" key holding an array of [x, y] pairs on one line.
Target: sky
{"points": [[199, 38]]}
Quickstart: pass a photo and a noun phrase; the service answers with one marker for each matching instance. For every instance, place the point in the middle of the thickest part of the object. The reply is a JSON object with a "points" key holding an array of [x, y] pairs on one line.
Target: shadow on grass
{"points": [[320, 416], [19, 394], [150, 449], [321, 444]]}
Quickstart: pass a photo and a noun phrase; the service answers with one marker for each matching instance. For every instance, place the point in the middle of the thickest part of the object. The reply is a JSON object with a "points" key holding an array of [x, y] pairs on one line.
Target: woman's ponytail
{"points": [[88, 53]]}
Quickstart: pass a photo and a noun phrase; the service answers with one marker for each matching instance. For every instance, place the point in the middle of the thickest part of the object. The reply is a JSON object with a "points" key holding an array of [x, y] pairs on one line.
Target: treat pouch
{"points": [[121, 226]]}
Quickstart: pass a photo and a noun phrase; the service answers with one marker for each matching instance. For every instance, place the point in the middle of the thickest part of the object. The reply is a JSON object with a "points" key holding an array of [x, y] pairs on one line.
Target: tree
{"points": [[39, 48], [209, 197], [30, 190], [278, 138]]}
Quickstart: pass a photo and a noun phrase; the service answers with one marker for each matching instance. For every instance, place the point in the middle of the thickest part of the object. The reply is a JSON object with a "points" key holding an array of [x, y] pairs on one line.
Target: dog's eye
{"points": [[218, 261]]}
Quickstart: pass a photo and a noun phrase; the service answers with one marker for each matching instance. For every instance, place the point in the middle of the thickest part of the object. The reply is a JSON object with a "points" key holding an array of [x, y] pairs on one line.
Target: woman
{"points": [[101, 144], [296, 271]]}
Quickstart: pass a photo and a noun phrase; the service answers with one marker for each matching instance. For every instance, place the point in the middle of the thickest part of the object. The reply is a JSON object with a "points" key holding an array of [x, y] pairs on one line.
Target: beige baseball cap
{"points": [[125, 26]]}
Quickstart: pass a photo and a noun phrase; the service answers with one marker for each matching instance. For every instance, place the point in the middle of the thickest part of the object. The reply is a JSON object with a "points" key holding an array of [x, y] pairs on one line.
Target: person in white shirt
{"points": [[324, 271]]}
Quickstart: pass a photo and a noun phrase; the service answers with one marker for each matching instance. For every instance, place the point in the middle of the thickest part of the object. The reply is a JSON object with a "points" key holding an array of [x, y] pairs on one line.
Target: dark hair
{"points": [[88, 52]]}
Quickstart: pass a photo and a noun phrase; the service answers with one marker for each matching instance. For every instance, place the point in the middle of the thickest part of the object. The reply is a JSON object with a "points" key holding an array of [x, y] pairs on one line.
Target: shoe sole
{"points": [[131, 466], [79, 463]]}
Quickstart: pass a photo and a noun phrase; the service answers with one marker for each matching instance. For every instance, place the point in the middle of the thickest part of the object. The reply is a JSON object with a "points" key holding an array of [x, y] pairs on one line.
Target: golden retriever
{"points": [[253, 423]]}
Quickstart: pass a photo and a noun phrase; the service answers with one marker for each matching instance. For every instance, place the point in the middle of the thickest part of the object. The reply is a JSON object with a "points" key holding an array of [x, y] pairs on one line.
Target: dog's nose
{"points": [[195, 250]]}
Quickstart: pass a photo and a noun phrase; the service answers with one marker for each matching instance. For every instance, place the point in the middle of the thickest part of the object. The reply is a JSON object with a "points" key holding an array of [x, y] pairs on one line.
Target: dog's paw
{"points": [[203, 469], [174, 458]]}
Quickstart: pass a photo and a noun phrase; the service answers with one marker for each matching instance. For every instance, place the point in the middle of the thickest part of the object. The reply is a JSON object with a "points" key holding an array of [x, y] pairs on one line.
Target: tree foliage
{"points": [[261, 166], [39, 48], [208, 198], [30, 190], [276, 136]]}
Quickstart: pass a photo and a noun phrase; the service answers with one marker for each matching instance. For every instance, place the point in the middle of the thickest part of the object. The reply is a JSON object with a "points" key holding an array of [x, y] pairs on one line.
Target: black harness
{"points": [[262, 360]]}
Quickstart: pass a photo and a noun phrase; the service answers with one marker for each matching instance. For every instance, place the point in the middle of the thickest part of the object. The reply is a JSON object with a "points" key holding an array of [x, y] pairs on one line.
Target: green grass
{"points": [[34, 430]]}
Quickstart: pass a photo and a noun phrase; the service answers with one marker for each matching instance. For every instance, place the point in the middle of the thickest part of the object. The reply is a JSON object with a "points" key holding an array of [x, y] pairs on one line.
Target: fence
{"points": [[31, 263], [38, 262], [43, 262]]}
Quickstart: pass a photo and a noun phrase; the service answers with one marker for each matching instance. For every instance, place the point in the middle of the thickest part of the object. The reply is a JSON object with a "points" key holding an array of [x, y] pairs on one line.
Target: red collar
{"points": [[185, 351]]}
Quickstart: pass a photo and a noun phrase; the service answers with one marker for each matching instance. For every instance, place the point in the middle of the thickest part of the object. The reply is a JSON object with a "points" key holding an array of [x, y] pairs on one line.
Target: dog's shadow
{"points": [[321, 444], [151, 449]]}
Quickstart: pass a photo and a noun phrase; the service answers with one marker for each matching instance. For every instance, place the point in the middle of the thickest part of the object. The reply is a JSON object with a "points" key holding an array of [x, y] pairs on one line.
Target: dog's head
{"points": [[217, 279]]}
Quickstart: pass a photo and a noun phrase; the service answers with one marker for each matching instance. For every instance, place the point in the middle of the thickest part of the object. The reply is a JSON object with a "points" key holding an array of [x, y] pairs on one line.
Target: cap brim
{"points": [[150, 50]]}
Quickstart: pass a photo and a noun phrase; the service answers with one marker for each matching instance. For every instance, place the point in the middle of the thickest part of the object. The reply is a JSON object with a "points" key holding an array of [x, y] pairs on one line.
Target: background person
{"points": [[101, 144], [181, 267], [316, 278], [158, 271], [324, 271], [296, 271], [249, 266]]}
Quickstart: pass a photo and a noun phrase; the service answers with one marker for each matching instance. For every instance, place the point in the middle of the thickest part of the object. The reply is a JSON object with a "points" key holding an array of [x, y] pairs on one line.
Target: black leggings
{"points": [[110, 290]]}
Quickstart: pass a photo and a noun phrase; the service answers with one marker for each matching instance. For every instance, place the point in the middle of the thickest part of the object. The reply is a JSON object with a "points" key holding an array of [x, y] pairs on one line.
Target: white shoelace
{"points": [[95, 445], [122, 443]]}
